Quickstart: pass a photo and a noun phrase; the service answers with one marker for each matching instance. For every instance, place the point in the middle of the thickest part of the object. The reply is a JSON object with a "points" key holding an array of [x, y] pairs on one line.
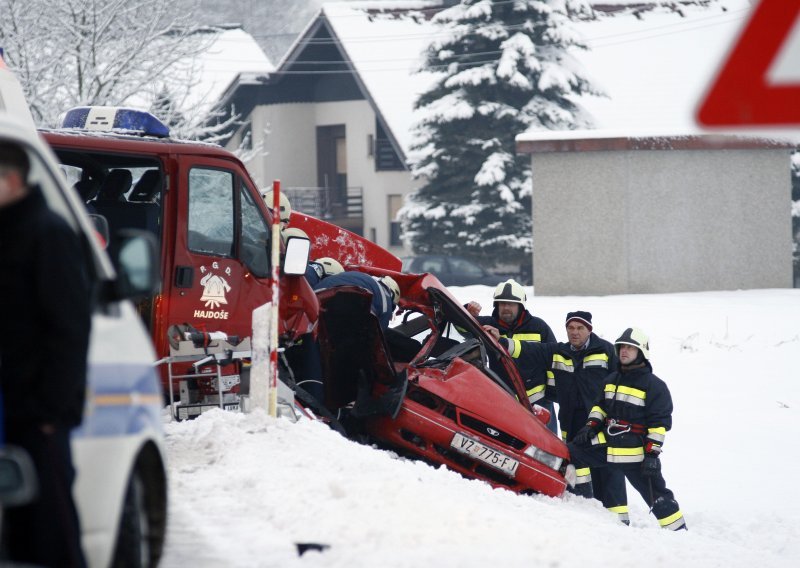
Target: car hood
{"points": [[471, 392]]}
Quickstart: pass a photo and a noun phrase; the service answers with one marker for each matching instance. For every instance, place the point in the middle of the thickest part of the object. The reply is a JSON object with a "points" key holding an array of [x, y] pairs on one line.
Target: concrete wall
{"points": [[291, 155], [664, 216]]}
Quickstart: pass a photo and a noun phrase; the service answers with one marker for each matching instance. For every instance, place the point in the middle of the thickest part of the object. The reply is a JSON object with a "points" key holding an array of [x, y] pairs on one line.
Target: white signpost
{"points": [[260, 371]]}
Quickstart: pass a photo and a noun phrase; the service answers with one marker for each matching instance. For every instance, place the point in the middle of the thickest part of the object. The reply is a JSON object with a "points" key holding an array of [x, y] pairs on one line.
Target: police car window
{"points": [[211, 211], [41, 176], [254, 248]]}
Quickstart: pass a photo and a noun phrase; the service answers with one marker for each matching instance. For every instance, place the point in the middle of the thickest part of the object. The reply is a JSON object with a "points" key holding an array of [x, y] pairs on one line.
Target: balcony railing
{"points": [[324, 203]]}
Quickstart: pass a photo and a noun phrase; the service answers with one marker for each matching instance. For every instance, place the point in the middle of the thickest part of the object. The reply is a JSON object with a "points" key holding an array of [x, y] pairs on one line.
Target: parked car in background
{"points": [[452, 270]]}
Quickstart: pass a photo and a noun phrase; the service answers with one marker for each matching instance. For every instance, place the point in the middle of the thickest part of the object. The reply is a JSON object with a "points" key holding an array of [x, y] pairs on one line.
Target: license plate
{"points": [[474, 449]]}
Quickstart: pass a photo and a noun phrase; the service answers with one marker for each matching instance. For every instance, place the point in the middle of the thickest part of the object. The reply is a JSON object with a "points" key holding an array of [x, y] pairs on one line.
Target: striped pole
{"points": [[272, 406]]}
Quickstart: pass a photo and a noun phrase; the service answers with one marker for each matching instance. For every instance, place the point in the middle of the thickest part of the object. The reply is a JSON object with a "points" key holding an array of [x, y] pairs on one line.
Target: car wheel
{"points": [[133, 544]]}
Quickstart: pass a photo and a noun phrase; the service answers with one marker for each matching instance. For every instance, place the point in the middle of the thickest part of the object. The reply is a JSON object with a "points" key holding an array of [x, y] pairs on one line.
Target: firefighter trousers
{"points": [[608, 484], [653, 489]]}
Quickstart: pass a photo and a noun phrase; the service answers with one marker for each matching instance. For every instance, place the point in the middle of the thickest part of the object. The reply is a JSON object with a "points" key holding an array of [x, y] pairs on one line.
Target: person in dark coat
{"points": [[577, 372], [626, 429], [385, 291], [44, 340], [512, 320]]}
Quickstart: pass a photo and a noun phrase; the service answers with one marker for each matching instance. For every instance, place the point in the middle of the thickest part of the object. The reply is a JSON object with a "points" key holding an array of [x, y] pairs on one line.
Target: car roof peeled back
{"points": [[12, 98]]}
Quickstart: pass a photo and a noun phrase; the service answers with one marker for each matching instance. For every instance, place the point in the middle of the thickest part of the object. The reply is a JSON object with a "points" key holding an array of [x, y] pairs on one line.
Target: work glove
{"points": [[651, 466], [585, 434]]}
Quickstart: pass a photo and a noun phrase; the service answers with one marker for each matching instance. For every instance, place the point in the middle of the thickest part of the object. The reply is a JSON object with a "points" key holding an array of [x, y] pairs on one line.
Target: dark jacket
{"points": [[382, 301], [526, 328], [577, 377], [45, 321], [638, 398]]}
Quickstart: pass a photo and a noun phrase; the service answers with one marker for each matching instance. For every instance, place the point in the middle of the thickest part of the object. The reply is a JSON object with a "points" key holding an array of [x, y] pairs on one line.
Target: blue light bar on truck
{"points": [[108, 119]]}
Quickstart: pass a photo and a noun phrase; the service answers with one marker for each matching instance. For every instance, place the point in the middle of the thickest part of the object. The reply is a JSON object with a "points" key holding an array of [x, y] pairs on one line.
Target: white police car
{"points": [[118, 451]]}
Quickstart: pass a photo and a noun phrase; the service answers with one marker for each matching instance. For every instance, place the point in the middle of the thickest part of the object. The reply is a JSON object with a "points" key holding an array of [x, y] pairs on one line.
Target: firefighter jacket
{"points": [[382, 301], [526, 328], [636, 411], [575, 379]]}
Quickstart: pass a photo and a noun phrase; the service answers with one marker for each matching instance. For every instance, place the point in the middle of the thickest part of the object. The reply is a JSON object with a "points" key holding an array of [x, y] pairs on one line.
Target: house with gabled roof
{"points": [[332, 122]]}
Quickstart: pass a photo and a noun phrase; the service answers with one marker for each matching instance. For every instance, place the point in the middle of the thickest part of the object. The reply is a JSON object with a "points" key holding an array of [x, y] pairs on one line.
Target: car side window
{"points": [[211, 222], [434, 265], [254, 249], [465, 267]]}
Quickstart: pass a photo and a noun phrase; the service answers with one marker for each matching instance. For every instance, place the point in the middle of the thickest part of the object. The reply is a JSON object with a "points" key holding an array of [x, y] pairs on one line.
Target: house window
{"points": [[395, 203], [386, 159]]}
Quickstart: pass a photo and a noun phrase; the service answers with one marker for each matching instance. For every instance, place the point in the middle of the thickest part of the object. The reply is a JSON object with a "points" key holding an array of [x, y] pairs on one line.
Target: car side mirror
{"points": [[18, 482], [134, 256], [102, 232], [295, 261]]}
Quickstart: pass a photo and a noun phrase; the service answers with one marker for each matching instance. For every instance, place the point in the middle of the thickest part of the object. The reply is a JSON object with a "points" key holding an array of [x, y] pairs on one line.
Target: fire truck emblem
{"points": [[214, 288]]}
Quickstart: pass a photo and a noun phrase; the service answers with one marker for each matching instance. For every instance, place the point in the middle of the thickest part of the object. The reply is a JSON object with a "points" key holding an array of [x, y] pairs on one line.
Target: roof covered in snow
{"points": [[232, 53]]}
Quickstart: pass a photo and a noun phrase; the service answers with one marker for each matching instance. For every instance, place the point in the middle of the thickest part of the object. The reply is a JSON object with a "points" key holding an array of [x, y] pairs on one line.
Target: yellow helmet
{"points": [[285, 206], [510, 291], [330, 266], [637, 338], [293, 232], [391, 284]]}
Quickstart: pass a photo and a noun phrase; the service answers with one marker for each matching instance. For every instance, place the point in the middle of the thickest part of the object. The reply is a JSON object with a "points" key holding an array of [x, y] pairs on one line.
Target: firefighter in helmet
{"points": [[626, 430], [512, 320], [285, 206], [322, 268], [384, 289]]}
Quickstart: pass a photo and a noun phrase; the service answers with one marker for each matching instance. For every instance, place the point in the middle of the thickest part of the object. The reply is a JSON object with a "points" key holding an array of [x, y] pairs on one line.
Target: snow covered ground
{"points": [[245, 488]]}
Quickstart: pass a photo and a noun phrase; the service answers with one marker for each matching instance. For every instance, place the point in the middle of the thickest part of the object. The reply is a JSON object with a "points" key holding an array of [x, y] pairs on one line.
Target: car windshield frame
{"points": [[446, 310]]}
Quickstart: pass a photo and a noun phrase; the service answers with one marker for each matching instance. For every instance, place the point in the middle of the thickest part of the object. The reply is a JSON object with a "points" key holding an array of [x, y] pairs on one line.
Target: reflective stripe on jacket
{"points": [[636, 397], [575, 379]]}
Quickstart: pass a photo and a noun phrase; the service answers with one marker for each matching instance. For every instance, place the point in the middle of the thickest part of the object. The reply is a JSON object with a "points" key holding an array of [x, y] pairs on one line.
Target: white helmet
{"points": [[510, 291], [330, 266], [637, 338], [285, 206], [293, 232], [390, 283]]}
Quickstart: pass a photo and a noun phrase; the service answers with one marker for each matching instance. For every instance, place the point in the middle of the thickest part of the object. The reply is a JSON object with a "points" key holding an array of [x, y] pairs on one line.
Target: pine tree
{"points": [[505, 68]]}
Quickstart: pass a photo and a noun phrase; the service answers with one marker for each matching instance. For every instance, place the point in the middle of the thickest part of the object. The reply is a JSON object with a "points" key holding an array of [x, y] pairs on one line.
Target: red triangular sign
{"points": [[741, 95]]}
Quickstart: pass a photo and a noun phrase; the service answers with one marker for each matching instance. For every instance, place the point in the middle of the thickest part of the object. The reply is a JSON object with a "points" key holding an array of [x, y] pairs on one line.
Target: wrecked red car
{"points": [[435, 387]]}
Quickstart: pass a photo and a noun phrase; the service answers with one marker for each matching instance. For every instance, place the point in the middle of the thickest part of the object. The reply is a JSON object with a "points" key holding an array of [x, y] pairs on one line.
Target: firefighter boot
{"points": [[669, 514], [583, 483]]}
